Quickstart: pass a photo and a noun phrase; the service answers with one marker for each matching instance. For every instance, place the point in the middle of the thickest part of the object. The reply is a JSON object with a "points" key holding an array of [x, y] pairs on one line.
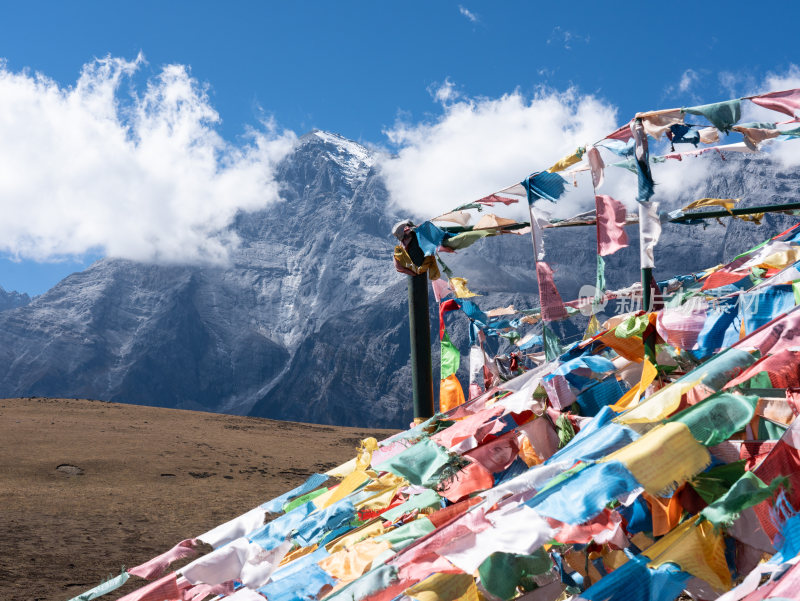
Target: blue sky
{"points": [[360, 68]]}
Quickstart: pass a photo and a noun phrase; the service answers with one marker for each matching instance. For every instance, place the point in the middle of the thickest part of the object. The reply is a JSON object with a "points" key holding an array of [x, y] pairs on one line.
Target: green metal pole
{"points": [[647, 291], [420, 329], [647, 306]]}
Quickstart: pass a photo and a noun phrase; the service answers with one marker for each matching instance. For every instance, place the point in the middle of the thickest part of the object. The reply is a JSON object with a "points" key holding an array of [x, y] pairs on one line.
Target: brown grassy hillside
{"points": [[146, 478]]}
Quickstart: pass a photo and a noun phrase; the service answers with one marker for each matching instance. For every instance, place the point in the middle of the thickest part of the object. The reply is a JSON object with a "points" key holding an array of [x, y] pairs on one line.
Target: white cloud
{"points": [[688, 78], [478, 146], [473, 18], [444, 93], [566, 37], [146, 177]]}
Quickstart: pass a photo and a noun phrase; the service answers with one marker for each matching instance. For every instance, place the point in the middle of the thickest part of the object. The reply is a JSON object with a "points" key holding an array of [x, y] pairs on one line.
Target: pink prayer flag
{"points": [[611, 234], [680, 326], [498, 454], [787, 101], [201, 591], [493, 199], [781, 333], [605, 525], [440, 289], [558, 392], [597, 165], [550, 300], [623, 133], [150, 570], [165, 589]]}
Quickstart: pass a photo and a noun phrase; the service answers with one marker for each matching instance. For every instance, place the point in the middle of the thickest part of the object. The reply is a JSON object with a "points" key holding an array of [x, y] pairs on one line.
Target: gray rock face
{"points": [[13, 299], [309, 322]]}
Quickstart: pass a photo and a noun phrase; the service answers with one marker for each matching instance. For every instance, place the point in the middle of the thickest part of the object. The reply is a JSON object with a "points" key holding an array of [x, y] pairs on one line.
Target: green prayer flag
{"points": [[501, 573], [632, 326], [451, 358], [746, 492], [760, 380], [552, 349], [101, 589], [714, 483], [466, 239], [600, 285], [768, 430], [407, 533], [721, 114], [447, 271], [796, 290], [565, 430], [718, 417], [422, 464], [303, 500]]}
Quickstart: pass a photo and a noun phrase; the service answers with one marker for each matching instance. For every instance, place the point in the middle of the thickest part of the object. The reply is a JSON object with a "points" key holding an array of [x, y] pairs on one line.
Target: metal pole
{"points": [[647, 306], [420, 329], [647, 291]]}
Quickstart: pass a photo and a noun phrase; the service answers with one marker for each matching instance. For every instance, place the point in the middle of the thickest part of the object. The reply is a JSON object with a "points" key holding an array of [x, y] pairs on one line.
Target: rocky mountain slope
{"points": [[309, 322]]}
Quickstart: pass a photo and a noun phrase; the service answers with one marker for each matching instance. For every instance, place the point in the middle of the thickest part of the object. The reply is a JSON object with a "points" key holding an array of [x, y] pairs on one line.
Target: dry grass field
{"points": [[87, 487]]}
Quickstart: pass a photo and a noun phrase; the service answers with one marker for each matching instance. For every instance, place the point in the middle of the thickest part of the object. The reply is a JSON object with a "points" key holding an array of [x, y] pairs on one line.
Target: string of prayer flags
{"points": [[657, 469], [535, 487]]}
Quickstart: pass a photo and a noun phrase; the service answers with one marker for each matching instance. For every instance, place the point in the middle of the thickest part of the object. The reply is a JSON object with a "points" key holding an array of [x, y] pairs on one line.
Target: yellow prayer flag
{"points": [[348, 564], [567, 161], [667, 455], [726, 203], [631, 398], [445, 587], [369, 530], [698, 549], [782, 259], [345, 487], [592, 328], [365, 449], [459, 286], [660, 404]]}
